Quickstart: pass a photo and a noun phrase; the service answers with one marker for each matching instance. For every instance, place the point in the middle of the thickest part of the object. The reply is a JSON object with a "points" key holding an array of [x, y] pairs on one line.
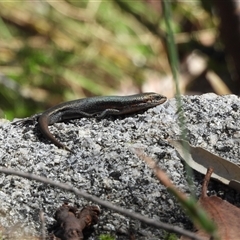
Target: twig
{"points": [[206, 181], [42, 219], [151, 222]]}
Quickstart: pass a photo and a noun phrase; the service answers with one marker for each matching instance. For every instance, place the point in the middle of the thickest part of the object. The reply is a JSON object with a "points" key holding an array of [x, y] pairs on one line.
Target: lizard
{"points": [[98, 107]]}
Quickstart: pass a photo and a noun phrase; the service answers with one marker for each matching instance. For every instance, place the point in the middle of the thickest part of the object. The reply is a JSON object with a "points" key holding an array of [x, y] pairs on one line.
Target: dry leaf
{"points": [[71, 222], [200, 160], [225, 215]]}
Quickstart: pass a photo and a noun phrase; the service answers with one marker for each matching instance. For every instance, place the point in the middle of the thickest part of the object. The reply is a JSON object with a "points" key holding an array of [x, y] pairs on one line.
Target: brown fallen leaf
{"points": [[71, 223], [225, 215], [88, 216], [200, 160]]}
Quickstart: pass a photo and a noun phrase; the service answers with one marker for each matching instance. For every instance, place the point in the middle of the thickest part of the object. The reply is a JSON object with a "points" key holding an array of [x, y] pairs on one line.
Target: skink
{"points": [[98, 107]]}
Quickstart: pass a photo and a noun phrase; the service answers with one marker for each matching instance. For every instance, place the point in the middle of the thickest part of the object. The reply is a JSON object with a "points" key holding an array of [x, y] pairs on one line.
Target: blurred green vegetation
{"points": [[55, 51]]}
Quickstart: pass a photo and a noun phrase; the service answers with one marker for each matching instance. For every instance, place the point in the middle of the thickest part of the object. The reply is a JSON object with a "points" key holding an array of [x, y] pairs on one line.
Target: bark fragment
{"points": [[71, 222]]}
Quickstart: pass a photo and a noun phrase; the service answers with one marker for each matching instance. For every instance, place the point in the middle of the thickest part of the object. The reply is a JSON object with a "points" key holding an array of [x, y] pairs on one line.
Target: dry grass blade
{"points": [[161, 175], [197, 214], [68, 10], [217, 83]]}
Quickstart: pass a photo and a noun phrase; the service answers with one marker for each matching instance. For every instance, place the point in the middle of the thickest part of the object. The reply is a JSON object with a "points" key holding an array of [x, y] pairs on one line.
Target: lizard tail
{"points": [[43, 122]]}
